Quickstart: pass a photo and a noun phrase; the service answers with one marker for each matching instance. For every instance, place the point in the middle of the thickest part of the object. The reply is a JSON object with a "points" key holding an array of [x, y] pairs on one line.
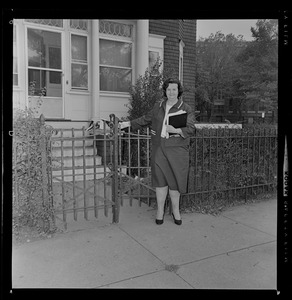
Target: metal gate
{"points": [[84, 172], [134, 170], [99, 170]]}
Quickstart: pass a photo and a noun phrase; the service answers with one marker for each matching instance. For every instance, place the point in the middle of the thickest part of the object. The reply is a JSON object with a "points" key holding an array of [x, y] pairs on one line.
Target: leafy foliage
{"points": [[229, 68], [216, 69], [227, 165], [143, 95], [147, 90], [32, 205], [259, 66]]}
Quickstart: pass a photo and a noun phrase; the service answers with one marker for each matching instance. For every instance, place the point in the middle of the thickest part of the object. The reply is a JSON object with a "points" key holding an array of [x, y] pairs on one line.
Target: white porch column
{"points": [[142, 47], [95, 103]]}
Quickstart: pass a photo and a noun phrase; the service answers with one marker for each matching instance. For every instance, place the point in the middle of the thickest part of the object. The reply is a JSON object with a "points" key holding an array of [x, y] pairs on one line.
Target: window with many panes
{"points": [[115, 56], [47, 22]]}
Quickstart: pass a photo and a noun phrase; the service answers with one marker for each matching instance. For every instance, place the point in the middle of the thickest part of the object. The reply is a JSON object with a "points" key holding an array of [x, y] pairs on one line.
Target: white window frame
{"points": [[60, 30], [16, 44], [45, 28], [69, 88], [80, 33], [103, 36], [78, 29], [181, 61], [156, 44], [45, 25]]}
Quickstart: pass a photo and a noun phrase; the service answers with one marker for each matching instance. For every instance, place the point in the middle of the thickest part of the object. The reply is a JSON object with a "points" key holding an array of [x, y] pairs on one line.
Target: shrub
{"points": [[143, 95], [32, 205], [147, 90]]}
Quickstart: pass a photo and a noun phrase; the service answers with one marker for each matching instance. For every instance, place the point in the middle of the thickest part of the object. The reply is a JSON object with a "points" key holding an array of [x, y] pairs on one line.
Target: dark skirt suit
{"points": [[169, 157]]}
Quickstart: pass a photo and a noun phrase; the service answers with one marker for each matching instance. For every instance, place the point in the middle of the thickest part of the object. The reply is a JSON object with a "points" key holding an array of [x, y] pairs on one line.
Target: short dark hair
{"points": [[172, 80]]}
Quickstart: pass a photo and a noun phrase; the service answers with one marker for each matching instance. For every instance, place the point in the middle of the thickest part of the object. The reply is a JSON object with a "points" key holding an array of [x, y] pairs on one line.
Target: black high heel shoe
{"points": [[177, 222], [159, 222]]}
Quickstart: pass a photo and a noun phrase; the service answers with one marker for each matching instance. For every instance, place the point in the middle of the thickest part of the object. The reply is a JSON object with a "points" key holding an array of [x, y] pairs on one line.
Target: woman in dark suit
{"points": [[170, 147]]}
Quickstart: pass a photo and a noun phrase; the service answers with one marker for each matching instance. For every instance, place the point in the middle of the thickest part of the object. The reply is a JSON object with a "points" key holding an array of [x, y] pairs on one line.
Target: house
{"points": [[227, 111], [83, 68]]}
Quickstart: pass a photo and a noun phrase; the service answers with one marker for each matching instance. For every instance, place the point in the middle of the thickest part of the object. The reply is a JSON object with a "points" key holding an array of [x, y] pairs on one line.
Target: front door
{"points": [[45, 72]]}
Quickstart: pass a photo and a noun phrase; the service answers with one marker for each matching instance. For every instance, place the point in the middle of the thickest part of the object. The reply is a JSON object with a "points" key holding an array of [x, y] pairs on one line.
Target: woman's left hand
{"points": [[171, 129]]}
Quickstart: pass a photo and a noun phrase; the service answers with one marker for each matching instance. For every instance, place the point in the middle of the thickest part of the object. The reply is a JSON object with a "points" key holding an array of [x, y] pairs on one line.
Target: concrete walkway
{"points": [[235, 250]]}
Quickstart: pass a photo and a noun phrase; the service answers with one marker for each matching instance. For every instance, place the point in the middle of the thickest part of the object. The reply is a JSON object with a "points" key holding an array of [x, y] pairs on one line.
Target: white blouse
{"points": [[165, 134]]}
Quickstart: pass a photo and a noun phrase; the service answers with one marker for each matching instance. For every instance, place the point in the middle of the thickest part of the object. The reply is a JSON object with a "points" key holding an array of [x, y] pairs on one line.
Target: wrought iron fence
{"points": [[97, 171], [231, 163], [225, 164]]}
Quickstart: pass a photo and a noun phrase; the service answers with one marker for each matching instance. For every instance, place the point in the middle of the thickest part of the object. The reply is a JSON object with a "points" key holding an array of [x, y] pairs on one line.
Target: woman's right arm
{"points": [[143, 121], [138, 123]]}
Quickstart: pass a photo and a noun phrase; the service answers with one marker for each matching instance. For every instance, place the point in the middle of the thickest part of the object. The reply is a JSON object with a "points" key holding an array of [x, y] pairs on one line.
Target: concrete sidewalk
{"points": [[235, 250]]}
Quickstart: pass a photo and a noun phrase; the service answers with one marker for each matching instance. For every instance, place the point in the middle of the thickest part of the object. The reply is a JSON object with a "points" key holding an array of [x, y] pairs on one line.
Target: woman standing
{"points": [[170, 147]]}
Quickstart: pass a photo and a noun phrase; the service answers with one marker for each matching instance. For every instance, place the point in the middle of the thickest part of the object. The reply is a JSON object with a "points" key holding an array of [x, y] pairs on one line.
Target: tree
{"points": [[216, 69], [259, 66], [230, 68]]}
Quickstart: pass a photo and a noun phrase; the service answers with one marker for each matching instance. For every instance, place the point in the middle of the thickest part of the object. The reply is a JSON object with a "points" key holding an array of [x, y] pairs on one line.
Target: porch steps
{"points": [[79, 173], [78, 161], [68, 151], [67, 141]]}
